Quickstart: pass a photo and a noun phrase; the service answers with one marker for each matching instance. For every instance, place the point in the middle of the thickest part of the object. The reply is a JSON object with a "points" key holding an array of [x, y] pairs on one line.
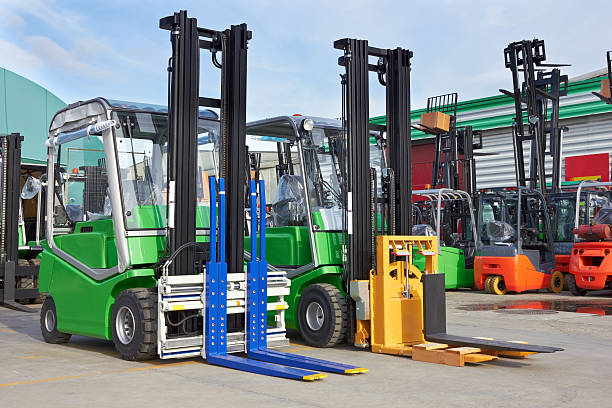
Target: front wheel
{"points": [[134, 324], [556, 282], [573, 288], [322, 315], [48, 323]]}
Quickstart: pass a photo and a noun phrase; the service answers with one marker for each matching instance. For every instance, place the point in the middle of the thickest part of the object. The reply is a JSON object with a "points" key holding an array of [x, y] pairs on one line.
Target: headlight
{"points": [[308, 124]]}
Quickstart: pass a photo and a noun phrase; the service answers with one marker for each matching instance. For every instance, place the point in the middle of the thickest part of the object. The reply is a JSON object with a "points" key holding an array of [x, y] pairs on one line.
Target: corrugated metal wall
{"points": [[586, 135]]}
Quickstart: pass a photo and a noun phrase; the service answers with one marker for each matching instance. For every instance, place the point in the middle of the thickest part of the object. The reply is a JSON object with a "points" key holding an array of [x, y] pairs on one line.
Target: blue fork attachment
{"points": [[216, 301], [257, 301]]}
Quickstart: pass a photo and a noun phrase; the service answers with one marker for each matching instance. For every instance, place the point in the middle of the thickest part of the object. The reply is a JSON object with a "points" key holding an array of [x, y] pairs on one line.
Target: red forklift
{"points": [[590, 263]]}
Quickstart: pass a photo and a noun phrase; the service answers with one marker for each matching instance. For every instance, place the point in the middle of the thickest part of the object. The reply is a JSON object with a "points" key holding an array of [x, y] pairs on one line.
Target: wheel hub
{"points": [[125, 325], [315, 317], [49, 320]]}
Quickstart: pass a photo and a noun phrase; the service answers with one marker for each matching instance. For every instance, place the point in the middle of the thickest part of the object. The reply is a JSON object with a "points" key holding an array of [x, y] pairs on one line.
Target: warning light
{"points": [[297, 114], [75, 171]]}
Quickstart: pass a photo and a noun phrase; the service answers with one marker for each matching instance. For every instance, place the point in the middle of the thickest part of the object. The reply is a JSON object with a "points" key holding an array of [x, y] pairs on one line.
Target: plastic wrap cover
{"points": [[289, 207], [604, 216], [76, 117], [74, 212], [500, 231], [424, 230]]}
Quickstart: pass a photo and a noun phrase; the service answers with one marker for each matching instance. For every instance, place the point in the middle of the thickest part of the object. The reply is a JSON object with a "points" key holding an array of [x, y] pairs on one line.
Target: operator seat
{"points": [[289, 207]]}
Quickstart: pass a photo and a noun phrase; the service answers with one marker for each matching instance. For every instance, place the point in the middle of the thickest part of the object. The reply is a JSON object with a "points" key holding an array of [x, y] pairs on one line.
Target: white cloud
{"points": [[19, 60], [59, 57], [10, 20], [292, 66], [48, 12]]}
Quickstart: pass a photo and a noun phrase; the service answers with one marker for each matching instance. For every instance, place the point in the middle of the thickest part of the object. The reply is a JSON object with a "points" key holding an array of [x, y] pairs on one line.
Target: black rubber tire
{"points": [[573, 288], [335, 321], [487, 284], [566, 277], [556, 282], [52, 336], [142, 303]]}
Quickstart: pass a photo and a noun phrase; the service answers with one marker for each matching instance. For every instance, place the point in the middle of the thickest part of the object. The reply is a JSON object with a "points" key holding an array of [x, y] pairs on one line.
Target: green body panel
{"points": [[290, 246], [83, 304], [145, 250], [285, 246], [451, 263], [96, 248], [148, 250], [154, 217], [329, 247], [323, 274]]}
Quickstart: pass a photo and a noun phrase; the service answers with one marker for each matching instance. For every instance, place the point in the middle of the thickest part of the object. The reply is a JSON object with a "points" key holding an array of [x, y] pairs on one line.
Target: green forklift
{"points": [[143, 247]]}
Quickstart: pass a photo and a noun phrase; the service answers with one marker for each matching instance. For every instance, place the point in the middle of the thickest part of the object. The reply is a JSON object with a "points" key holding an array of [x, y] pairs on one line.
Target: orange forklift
{"points": [[516, 251]]}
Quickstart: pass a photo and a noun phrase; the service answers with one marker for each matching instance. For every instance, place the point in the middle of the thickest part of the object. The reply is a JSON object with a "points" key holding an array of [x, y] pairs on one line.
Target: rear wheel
{"points": [[322, 315], [487, 284], [48, 323], [498, 286], [566, 278], [573, 288], [134, 324], [556, 282]]}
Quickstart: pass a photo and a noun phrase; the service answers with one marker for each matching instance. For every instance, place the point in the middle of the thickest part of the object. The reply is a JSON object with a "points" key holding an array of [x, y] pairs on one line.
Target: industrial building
{"points": [[587, 118]]}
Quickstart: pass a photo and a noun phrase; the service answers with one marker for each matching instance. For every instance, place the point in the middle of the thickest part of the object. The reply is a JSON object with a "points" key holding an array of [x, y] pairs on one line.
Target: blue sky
{"points": [[83, 49]]}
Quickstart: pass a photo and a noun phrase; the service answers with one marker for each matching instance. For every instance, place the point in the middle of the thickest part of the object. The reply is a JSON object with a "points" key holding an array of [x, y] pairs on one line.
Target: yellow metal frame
{"points": [[396, 295]]}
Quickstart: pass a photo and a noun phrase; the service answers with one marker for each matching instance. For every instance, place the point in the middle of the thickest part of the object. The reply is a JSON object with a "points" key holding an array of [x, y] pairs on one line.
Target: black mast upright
{"points": [[355, 60], [398, 135], [533, 91], [184, 103], [11, 271], [182, 139], [233, 141]]}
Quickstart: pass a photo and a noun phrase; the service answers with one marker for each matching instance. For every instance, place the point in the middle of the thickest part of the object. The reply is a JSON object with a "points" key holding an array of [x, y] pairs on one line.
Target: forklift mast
{"points": [[184, 101], [393, 71], [363, 203], [11, 162], [532, 96]]}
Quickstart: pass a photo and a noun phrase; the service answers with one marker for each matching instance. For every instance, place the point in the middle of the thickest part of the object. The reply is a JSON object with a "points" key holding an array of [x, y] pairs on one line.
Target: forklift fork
{"points": [[257, 270], [261, 360], [434, 321], [216, 300]]}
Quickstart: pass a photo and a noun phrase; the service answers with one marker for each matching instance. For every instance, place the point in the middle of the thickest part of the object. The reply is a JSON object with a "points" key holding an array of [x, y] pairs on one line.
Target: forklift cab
{"points": [[295, 156], [122, 208], [451, 217], [516, 242]]}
